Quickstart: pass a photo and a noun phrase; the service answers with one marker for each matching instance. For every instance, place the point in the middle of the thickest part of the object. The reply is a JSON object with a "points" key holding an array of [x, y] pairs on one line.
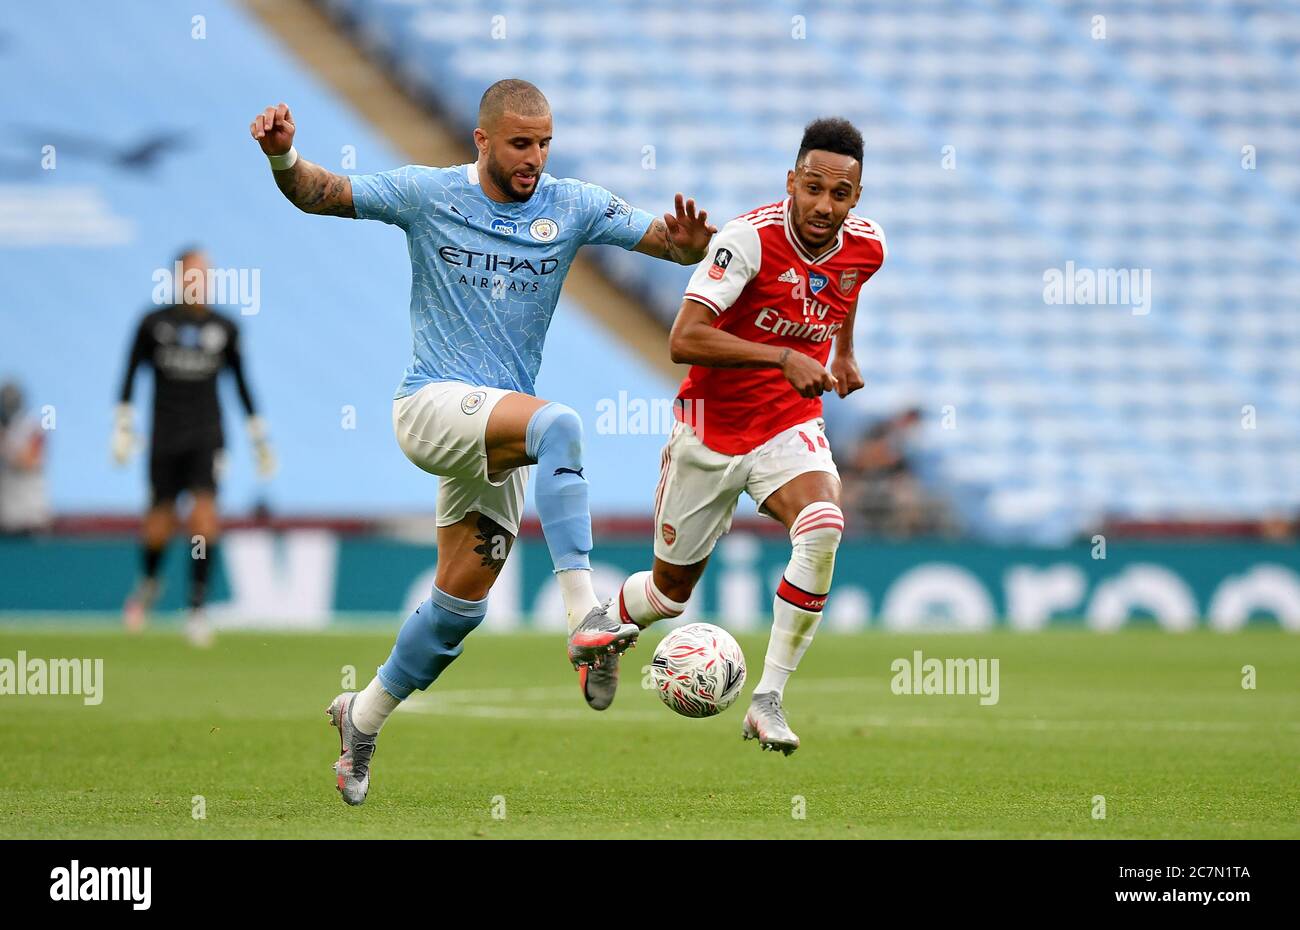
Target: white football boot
{"points": [[355, 751], [198, 629], [765, 722]]}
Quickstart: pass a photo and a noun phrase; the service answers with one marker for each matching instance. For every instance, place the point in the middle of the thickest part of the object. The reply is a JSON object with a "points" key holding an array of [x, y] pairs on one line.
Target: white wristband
{"points": [[285, 161], [256, 428]]}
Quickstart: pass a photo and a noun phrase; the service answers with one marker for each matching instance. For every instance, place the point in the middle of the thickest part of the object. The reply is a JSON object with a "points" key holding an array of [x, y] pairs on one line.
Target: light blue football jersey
{"points": [[485, 276]]}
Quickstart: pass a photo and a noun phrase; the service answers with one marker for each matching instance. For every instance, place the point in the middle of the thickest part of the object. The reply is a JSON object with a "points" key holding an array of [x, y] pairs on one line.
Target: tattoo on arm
{"points": [[312, 189], [493, 544], [660, 230], [663, 247]]}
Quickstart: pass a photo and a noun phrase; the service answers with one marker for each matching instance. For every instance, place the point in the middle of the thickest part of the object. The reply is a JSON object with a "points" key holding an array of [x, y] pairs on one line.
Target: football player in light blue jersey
{"points": [[490, 245]]}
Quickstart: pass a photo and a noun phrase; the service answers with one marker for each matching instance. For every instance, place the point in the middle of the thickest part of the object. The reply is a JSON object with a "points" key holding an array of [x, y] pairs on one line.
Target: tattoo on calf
{"points": [[494, 544]]}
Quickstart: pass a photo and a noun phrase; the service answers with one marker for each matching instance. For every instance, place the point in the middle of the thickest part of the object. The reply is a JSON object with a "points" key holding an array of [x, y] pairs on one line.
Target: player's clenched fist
{"points": [[273, 129], [807, 375], [848, 377]]}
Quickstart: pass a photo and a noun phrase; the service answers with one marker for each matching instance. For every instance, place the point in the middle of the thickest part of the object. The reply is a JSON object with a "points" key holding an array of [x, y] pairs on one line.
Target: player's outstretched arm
{"points": [[696, 341], [681, 237], [308, 187]]}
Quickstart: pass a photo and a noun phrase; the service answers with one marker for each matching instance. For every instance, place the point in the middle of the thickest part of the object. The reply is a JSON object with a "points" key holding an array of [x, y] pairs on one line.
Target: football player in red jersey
{"points": [[779, 285]]}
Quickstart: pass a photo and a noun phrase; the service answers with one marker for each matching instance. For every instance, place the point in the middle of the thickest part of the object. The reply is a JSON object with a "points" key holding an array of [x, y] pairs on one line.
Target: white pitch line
{"points": [[450, 709], [485, 703], [525, 713], [472, 701], [1023, 723]]}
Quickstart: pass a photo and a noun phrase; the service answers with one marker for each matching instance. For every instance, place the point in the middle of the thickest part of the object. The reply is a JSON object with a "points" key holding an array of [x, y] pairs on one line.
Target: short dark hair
{"points": [[831, 134], [514, 96]]}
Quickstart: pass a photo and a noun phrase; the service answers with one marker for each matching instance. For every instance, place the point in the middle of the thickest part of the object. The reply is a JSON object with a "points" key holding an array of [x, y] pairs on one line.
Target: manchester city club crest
{"points": [[543, 229], [472, 402]]}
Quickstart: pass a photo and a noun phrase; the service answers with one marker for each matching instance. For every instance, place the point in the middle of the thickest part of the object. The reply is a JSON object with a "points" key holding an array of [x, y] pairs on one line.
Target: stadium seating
{"points": [[1005, 139], [1161, 144]]}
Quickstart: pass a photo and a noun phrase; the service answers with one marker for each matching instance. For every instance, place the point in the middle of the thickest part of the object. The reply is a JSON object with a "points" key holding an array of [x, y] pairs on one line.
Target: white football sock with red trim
{"points": [[801, 596], [641, 602]]}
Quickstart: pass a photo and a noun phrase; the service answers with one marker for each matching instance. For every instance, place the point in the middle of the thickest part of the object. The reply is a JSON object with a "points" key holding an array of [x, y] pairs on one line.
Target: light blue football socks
{"points": [[429, 640], [554, 441]]}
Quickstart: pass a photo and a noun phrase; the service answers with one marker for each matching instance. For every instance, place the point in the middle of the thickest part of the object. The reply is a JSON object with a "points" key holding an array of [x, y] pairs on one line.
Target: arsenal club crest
{"points": [[847, 280]]}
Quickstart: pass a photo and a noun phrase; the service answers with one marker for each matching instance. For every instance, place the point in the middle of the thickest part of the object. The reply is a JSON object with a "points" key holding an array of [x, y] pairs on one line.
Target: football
{"points": [[698, 670]]}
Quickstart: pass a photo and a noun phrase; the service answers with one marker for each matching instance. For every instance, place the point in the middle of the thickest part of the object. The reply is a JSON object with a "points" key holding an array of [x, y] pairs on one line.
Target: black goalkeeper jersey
{"points": [[187, 348]]}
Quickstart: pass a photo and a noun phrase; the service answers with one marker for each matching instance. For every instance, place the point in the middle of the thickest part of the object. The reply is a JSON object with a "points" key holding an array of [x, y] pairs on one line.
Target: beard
{"points": [[505, 181], [799, 219]]}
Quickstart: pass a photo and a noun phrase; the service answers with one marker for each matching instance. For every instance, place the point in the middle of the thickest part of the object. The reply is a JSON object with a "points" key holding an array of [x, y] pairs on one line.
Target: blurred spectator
{"points": [[880, 486], [23, 505], [1279, 528]]}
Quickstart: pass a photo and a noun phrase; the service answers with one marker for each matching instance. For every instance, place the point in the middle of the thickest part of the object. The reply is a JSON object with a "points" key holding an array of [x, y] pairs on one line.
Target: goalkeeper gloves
{"points": [[263, 455], [124, 443]]}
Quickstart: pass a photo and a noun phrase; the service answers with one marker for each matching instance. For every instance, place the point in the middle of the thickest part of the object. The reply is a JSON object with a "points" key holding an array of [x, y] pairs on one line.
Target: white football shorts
{"points": [[698, 487], [441, 428]]}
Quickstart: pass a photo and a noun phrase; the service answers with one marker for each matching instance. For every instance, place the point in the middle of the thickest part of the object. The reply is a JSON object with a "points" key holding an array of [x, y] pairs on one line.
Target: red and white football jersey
{"points": [[765, 287]]}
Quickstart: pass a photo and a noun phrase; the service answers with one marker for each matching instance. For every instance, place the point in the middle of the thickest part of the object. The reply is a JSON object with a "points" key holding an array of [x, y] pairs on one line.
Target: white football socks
{"points": [[641, 602], [372, 706], [579, 596], [801, 596], [792, 634]]}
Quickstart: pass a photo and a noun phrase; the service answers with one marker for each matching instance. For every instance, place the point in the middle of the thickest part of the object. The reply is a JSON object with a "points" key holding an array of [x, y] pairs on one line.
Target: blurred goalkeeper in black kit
{"points": [[188, 344]]}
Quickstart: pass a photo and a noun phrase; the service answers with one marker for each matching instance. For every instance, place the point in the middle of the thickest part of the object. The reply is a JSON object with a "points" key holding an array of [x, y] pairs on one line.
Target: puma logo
{"points": [[569, 471]]}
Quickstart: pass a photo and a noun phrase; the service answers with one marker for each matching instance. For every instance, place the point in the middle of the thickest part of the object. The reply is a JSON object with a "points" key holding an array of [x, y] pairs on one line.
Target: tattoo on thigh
{"points": [[493, 544]]}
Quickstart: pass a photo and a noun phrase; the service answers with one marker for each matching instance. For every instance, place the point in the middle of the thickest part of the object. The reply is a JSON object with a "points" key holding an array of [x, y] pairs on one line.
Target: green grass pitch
{"points": [[1156, 723]]}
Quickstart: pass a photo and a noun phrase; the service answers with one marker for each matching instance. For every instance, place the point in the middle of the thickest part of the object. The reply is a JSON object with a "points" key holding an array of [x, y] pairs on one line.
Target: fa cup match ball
{"points": [[698, 670]]}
